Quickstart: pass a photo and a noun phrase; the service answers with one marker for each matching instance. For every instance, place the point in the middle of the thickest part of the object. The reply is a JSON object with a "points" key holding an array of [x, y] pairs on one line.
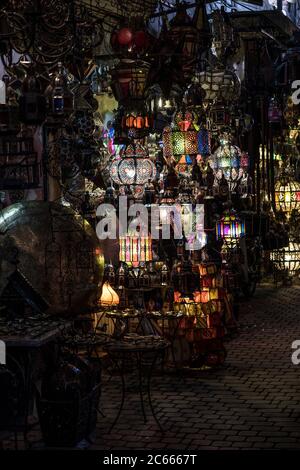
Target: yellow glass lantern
{"points": [[287, 195], [109, 297]]}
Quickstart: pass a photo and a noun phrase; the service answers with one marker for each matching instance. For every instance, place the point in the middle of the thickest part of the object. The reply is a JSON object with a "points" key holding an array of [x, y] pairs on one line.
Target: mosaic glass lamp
{"points": [[287, 259], [182, 139], [226, 158], [230, 227]]}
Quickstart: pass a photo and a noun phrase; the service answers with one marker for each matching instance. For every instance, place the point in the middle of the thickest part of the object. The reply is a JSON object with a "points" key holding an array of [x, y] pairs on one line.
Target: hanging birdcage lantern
{"points": [[132, 167], [287, 195], [230, 228]]}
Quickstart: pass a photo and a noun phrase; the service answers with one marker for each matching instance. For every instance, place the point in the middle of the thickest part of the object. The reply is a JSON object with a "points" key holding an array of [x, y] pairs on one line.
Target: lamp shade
{"points": [[109, 297]]}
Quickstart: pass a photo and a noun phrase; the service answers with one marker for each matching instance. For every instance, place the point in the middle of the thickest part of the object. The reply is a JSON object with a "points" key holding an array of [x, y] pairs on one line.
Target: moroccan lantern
{"points": [[287, 258], [287, 195], [109, 297], [182, 140], [227, 160], [129, 79], [135, 248], [230, 228], [133, 166]]}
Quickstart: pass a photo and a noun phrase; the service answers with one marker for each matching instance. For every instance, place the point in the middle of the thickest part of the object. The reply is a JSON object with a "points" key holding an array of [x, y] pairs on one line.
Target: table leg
{"points": [[149, 391], [121, 370], [139, 366]]}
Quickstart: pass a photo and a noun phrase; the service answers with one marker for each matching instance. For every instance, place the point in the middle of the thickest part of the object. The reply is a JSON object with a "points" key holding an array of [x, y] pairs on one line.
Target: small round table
{"points": [[139, 349]]}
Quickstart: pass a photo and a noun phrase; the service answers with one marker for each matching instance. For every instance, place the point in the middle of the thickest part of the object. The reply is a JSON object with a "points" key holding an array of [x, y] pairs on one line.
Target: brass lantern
{"points": [[287, 195]]}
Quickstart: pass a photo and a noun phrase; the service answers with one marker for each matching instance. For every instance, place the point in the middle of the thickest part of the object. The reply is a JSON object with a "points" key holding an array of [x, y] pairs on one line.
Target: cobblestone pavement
{"points": [[253, 402]]}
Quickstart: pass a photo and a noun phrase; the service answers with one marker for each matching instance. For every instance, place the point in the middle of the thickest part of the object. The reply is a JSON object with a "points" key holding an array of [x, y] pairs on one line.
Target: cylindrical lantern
{"points": [[135, 248]]}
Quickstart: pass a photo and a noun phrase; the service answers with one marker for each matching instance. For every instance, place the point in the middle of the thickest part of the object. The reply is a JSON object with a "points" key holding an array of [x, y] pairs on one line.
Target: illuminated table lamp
{"points": [[109, 296]]}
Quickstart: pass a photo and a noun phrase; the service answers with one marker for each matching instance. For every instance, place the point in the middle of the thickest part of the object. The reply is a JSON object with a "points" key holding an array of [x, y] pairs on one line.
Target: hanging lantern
{"points": [[287, 195], [227, 160], [287, 258], [133, 167], [183, 139], [129, 79], [109, 297], [230, 227], [135, 249]]}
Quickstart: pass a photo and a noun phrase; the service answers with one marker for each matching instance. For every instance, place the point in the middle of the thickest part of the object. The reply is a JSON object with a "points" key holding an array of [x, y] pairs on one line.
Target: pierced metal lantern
{"points": [[287, 195], [287, 259], [230, 227], [133, 166]]}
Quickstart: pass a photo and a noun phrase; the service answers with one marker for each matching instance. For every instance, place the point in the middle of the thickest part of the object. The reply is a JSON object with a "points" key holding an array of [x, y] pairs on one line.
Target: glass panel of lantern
{"points": [[204, 142], [230, 227], [133, 166], [287, 195]]}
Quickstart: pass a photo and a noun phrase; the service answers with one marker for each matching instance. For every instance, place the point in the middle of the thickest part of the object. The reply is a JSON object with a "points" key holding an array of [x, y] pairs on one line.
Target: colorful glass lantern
{"points": [[185, 137], [230, 227], [133, 166], [135, 249], [182, 140], [287, 195], [227, 159], [109, 297]]}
